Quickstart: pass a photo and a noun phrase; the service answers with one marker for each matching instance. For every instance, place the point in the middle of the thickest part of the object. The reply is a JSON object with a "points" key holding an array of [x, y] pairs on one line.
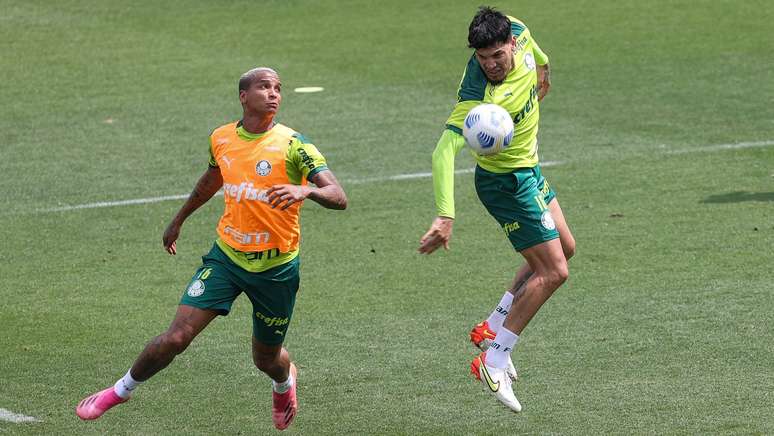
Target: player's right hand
{"points": [[170, 236], [544, 80], [439, 234]]}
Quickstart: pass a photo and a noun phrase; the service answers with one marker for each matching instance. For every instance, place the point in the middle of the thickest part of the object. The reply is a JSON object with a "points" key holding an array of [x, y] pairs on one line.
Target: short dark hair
{"points": [[247, 78], [245, 81], [488, 28]]}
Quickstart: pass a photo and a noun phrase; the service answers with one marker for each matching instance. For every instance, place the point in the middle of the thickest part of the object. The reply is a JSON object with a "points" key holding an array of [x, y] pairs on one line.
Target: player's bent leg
{"points": [[188, 322], [484, 332], [274, 360], [549, 272]]}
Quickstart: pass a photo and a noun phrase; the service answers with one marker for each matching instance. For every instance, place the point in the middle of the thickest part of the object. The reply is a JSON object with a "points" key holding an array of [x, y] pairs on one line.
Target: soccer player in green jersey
{"points": [[263, 168], [509, 69]]}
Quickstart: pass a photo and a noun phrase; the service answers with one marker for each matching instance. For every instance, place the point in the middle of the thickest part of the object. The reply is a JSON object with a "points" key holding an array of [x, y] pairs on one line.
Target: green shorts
{"points": [[519, 202], [219, 281]]}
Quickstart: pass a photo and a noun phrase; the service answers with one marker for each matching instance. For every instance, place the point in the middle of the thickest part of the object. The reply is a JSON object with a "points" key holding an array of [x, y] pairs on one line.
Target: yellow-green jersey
{"points": [[302, 161], [517, 93]]}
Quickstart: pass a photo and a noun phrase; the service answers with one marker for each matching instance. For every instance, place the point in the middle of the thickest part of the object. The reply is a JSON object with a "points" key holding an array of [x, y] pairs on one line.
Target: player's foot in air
{"points": [[285, 406], [496, 381], [481, 336], [95, 405]]}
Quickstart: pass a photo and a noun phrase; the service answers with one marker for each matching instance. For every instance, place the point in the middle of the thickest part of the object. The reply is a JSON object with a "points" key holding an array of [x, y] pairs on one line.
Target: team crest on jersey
{"points": [[263, 168], [529, 61], [547, 220], [196, 288]]}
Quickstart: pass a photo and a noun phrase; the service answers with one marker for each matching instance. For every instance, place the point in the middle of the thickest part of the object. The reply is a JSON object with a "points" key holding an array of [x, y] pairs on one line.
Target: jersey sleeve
{"points": [[443, 171], [540, 57], [303, 160], [518, 29], [469, 95]]}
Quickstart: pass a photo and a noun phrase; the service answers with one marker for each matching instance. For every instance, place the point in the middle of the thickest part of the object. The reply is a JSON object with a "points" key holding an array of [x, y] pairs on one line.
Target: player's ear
{"points": [[242, 96]]}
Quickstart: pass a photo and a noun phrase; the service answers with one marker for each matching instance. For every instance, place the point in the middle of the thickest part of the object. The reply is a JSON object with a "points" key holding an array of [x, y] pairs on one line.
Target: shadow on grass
{"points": [[739, 196]]}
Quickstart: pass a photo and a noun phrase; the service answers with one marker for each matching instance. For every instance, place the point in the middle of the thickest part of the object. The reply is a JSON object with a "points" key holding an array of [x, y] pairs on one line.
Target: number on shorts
{"points": [[205, 273], [541, 202]]}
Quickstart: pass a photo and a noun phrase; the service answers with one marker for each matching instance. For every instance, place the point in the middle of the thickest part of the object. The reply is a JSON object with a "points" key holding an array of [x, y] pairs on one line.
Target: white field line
{"points": [[117, 203], [706, 148], [7, 415], [719, 147], [182, 196], [423, 175]]}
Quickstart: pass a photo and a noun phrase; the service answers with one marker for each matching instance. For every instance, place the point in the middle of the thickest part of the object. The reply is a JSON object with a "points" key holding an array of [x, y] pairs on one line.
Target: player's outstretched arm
{"points": [[443, 186], [327, 192], [205, 188]]}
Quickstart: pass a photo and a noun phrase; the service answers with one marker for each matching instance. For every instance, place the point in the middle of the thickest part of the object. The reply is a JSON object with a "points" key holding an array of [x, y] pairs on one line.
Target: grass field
{"points": [[661, 119]]}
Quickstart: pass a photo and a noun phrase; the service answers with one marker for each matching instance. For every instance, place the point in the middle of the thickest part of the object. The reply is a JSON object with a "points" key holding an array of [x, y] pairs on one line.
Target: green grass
{"points": [[663, 327]]}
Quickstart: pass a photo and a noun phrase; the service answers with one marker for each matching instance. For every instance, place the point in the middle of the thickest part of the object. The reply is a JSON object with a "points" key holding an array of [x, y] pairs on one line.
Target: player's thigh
{"points": [[557, 216], [565, 235], [273, 296], [547, 260], [189, 321]]}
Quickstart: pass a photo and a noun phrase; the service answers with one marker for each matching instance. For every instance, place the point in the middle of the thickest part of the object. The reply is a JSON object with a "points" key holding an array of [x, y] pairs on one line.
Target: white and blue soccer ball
{"points": [[488, 129]]}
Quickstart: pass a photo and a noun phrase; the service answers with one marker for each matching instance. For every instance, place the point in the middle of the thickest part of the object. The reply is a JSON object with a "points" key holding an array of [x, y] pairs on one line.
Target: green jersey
{"points": [[517, 93]]}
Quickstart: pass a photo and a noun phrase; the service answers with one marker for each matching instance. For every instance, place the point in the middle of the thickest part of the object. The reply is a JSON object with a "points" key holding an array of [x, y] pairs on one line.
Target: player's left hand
{"points": [[287, 194], [171, 234], [544, 80]]}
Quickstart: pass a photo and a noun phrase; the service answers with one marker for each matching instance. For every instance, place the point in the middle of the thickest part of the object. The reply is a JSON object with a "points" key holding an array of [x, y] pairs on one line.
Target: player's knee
{"points": [[176, 341], [554, 277], [559, 275], [568, 247], [265, 362]]}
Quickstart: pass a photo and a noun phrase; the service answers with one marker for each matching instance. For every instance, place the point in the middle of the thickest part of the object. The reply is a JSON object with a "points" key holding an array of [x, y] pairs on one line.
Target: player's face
{"points": [[263, 95], [496, 60]]}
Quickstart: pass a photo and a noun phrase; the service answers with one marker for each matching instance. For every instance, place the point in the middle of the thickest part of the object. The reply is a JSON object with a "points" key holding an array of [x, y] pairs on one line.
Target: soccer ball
{"points": [[488, 129]]}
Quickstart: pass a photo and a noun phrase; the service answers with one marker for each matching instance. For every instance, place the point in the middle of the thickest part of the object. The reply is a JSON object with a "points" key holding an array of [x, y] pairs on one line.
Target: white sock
{"points": [[283, 387], [126, 385], [497, 317], [498, 353]]}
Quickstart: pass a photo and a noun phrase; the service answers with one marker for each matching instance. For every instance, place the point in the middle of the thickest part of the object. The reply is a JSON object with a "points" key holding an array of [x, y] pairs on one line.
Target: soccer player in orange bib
{"points": [[263, 168]]}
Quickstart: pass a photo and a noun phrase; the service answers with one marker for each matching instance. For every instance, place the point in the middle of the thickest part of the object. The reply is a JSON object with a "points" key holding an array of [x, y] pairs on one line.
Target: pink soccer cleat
{"points": [[95, 405], [285, 406]]}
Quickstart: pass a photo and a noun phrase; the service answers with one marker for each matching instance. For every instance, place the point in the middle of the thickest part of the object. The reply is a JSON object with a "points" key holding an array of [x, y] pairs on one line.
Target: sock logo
{"points": [[496, 346]]}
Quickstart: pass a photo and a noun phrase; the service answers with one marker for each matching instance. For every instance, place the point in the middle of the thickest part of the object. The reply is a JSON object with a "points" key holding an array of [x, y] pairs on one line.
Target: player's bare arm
{"points": [[439, 234], [544, 80], [327, 192], [205, 188]]}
